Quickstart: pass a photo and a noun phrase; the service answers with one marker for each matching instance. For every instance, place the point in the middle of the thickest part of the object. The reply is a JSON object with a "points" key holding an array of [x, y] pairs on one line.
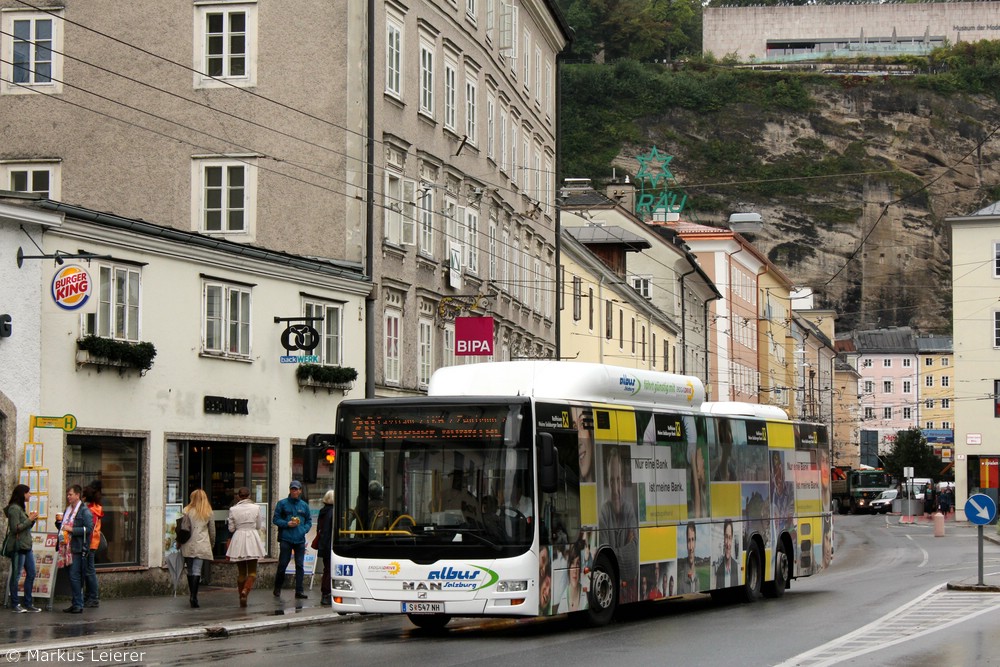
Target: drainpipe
{"points": [[370, 302], [705, 307], [684, 361]]}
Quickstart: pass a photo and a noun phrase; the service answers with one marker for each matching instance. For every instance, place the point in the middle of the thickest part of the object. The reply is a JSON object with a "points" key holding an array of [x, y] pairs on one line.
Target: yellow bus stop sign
{"points": [[66, 422]]}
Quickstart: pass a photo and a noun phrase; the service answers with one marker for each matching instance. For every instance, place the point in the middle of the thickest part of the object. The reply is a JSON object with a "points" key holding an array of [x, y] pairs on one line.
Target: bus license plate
{"points": [[423, 607]]}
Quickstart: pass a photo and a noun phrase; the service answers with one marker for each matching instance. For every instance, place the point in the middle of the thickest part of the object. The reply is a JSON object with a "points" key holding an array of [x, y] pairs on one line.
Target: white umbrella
{"points": [[175, 565]]}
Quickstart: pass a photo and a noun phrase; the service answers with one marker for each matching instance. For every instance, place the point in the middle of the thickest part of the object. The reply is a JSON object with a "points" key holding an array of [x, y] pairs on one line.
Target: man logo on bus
{"points": [[630, 384]]}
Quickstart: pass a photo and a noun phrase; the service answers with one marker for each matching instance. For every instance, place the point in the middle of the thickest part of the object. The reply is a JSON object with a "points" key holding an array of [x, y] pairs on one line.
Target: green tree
{"points": [[911, 449]]}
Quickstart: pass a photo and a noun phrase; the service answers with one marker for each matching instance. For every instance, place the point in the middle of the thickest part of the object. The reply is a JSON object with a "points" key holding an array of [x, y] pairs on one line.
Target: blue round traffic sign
{"points": [[980, 509]]}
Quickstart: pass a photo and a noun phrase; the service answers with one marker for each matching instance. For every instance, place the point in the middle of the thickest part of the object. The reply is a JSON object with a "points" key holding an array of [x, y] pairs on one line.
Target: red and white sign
{"points": [[473, 336], [973, 438]]}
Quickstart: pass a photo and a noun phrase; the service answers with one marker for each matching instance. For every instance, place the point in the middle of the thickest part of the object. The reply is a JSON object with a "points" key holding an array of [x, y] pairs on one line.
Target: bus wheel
{"points": [[754, 573], [603, 597], [782, 572], [431, 622]]}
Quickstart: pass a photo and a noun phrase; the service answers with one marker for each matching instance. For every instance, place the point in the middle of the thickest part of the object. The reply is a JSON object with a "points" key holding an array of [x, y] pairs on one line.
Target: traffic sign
{"points": [[980, 509], [66, 422]]}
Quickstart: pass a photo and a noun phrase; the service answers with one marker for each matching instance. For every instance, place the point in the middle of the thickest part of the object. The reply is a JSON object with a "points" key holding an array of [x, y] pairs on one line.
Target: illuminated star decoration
{"points": [[653, 167]]}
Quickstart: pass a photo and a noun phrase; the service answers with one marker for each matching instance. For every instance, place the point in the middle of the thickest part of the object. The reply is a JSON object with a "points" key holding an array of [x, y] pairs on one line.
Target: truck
{"points": [[853, 490]]}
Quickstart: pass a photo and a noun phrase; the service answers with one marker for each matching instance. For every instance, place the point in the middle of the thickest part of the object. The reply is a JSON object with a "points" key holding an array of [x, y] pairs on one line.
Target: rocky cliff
{"points": [[854, 185]]}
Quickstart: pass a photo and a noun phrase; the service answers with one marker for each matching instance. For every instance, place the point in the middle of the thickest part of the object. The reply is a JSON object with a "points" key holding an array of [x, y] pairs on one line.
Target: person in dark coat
{"points": [[324, 530]]}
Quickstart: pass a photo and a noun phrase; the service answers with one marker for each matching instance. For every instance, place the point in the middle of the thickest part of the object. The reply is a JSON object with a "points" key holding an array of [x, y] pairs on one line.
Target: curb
{"points": [[14, 654]]}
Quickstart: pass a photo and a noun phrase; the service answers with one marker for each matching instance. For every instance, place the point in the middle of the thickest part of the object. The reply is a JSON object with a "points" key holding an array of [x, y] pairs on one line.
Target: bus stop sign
{"points": [[980, 509]]}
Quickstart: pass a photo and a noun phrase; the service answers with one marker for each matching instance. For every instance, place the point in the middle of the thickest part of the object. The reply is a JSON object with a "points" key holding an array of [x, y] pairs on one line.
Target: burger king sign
{"points": [[71, 286]]}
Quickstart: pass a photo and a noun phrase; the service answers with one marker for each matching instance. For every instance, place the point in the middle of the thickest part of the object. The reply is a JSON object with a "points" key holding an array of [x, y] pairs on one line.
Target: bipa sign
{"points": [[473, 336]]}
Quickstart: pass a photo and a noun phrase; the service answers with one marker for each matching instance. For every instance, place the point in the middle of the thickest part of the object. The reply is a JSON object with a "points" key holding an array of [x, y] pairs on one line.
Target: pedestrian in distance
{"points": [[293, 519], [245, 546], [92, 496], [198, 548], [324, 535], [19, 525], [75, 525]]}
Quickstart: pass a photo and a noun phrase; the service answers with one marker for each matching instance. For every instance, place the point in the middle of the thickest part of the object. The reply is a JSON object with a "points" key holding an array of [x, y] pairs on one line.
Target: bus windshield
{"points": [[434, 480], [875, 479]]}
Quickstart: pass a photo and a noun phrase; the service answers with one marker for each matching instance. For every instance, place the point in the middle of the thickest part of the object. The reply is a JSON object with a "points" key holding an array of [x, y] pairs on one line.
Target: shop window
{"points": [[117, 464]]}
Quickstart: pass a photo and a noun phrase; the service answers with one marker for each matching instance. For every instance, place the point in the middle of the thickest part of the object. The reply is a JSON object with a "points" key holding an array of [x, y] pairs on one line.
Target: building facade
{"points": [[790, 33], [975, 242]]}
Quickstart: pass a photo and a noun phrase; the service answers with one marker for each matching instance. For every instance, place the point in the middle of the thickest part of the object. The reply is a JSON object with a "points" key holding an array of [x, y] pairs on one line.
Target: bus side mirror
{"points": [[548, 468]]}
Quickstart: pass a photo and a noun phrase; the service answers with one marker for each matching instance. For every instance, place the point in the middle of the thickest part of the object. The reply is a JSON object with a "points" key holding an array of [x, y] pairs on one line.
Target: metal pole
{"points": [[980, 555]]}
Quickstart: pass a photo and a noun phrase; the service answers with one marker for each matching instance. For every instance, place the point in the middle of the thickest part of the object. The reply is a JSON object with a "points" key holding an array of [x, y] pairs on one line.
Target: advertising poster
{"points": [[43, 545]]}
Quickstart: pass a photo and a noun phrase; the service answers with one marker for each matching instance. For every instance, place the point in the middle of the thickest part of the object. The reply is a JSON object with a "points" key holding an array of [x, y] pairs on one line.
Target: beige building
{"points": [[935, 383], [790, 33], [603, 319], [975, 240]]}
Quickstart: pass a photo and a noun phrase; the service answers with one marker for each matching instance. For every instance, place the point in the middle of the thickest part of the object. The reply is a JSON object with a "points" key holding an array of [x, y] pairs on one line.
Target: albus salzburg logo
{"points": [[630, 384]]}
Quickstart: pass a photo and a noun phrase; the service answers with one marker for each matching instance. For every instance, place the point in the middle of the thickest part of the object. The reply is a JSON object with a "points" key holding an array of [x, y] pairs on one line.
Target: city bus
{"points": [[533, 488]]}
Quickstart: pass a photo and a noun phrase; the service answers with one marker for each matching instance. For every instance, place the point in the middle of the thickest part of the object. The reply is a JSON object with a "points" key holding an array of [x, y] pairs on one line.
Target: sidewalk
{"points": [[131, 622]]}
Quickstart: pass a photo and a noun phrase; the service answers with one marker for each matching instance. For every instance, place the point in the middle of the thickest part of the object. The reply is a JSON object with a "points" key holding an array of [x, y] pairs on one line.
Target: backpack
{"points": [[183, 529]]}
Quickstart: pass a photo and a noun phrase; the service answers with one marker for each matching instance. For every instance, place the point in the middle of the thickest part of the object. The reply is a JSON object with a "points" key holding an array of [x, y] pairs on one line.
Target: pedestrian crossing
{"points": [[935, 610]]}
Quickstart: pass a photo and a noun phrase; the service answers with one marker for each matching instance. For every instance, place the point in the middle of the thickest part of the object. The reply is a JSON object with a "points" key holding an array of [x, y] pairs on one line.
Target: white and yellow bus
{"points": [[533, 488]]}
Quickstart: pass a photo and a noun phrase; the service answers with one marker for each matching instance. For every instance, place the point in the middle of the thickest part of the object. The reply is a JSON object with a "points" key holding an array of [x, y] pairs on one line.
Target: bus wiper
{"points": [[460, 533]]}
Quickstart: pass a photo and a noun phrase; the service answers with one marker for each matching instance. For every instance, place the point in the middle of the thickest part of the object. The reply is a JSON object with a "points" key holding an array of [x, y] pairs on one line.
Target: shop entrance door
{"points": [[220, 469]]}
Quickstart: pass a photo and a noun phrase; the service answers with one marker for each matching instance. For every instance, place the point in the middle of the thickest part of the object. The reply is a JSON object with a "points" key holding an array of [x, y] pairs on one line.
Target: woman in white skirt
{"points": [[245, 546]]}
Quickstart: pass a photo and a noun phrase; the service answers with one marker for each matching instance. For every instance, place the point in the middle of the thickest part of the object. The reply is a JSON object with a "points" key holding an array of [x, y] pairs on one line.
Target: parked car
{"points": [[883, 503]]}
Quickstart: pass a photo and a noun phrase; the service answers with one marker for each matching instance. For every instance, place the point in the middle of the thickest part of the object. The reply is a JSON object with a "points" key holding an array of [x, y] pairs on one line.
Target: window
{"points": [[225, 200], [929, 404], [34, 177], [907, 413], [869, 386], [577, 297], [470, 10], [425, 347], [928, 361], [490, 127], [907, 387], [391, 359], [328, 326], [621, 329], [513, 151], [996, 259], [887, 363], [996, 328], [227, 320], [505, 259], [226, 38], [869, 413], [427, 79], [393, 58], [609, 320], [547, 300], [448, 345], [945, 424], [549, 95], [866, 363], [470, 111], [929, 425], [117, 313], [427, 222], [643, 343], [590, 309], [503, 139], [945, 361], [450, 95], [906, 363], [31, 57], [929, 381], [472, 240], [945, 403], [887, 413], [641, 285], [400, 210], [886, 386], [633, 335], [538, 76], [117, 462], [492, 250], [945, 380]]}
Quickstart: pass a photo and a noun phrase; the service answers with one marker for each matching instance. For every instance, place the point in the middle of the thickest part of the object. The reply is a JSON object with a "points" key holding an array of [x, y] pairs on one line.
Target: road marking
{"points": [[911, 620], [922, 550]]}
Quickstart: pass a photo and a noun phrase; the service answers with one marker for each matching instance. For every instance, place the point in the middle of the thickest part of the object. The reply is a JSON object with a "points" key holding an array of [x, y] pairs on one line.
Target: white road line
{"points": [[922, 550], [911, 620]]}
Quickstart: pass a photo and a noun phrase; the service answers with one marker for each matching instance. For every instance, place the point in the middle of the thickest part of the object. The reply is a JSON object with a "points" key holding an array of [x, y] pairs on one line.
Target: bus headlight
{"points": [[342, 585], [511, 586]]}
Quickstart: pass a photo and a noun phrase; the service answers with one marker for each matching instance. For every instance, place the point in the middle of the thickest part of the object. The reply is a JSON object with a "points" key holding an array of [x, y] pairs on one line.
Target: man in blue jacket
{"points": [[293, 519]]}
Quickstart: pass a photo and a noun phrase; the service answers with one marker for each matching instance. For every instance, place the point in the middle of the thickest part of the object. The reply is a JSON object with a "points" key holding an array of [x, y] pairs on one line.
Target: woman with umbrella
{"points": [[245, 546]]}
